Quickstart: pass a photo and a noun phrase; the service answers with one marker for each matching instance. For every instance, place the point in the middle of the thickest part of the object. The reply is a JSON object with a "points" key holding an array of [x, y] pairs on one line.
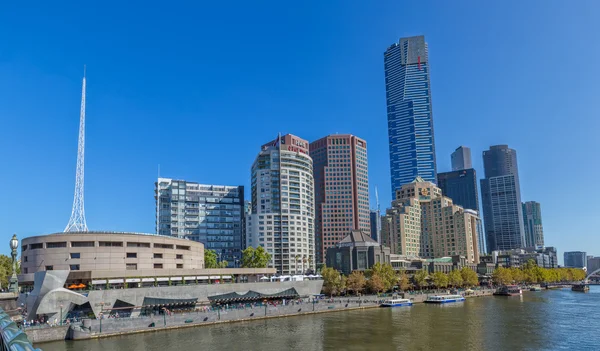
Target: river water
{"points": [[546, 320]]}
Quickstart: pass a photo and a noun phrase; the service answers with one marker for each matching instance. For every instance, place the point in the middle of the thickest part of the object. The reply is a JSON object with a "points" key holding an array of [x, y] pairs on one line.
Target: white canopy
{"points": [[98, 282], [162, 279], [190, 278], [203, 277], [175, 278], [147, 280], [115, 281], [132, 280]]}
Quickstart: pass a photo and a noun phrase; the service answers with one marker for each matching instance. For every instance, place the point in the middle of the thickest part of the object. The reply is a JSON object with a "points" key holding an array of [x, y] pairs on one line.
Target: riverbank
{"points": [[94, 329]]}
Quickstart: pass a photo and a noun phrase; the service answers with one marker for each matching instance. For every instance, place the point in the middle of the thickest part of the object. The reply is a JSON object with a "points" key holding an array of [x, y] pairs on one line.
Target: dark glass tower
{"points": [[501, 196], [410, 120]]}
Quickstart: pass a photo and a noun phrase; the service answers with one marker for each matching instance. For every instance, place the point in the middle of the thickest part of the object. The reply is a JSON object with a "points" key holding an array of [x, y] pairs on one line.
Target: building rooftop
{"points": [[358, 237]]}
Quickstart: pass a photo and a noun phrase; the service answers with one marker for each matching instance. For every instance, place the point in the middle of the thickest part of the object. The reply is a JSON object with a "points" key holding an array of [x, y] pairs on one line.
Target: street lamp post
{"points": [[101, 314], [61, 316], [165, 316], [14, 283], [265, 302], [219, 310]]}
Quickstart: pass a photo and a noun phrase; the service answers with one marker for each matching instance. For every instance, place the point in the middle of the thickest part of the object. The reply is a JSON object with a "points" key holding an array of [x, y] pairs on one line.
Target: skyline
{"points": [[126, 123]]}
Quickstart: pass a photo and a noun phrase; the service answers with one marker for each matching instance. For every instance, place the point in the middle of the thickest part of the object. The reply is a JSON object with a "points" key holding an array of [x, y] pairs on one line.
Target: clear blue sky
{"points": [[197, 88]]}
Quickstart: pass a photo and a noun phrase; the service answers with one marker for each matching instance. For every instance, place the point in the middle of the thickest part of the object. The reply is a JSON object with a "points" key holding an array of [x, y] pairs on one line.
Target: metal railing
{"points": [[12, 338]]}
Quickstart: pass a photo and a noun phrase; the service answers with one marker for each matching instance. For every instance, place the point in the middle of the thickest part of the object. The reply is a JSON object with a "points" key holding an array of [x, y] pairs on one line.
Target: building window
{"points": [[131, 255], [56, 245], [179, 247], [180, 265], [362, 260], [179, 257], [131, 266], [110, 243], [146, 245], [37, 246], [163, 246], [158, 266], [49, 268], [75, 255], [82, 244], [24, 258], [25, 270], [158, 255], [74, 267]]}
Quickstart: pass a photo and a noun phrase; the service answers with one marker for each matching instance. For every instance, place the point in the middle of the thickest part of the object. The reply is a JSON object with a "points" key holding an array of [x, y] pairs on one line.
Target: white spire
{"points": [[77, 222]]}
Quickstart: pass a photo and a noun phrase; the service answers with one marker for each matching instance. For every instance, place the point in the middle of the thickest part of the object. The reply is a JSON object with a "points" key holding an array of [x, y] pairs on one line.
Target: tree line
{"points": [[383, 278], [530, 273], [251, 258]]}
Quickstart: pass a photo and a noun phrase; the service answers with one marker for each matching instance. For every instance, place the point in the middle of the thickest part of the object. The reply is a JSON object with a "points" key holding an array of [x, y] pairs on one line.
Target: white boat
{"points": [[396, 303], [445, 299]]}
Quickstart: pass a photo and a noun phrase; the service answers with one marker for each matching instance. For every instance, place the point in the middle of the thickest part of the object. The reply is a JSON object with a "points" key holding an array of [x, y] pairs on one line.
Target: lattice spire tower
{"points": [[77, 222]]}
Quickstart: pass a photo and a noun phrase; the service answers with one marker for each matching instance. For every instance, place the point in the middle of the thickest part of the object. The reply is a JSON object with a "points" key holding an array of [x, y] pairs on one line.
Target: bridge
{"points": [[11, 337]]}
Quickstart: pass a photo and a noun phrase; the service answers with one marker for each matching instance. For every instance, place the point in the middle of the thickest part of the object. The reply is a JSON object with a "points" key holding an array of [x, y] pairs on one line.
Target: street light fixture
{"points": [[265, 302], [61, 315], [219, 310], [14, 283]]}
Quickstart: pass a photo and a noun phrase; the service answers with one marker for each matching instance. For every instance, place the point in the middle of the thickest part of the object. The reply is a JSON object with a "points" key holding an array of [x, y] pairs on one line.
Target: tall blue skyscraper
{"points": [[410, 120]]}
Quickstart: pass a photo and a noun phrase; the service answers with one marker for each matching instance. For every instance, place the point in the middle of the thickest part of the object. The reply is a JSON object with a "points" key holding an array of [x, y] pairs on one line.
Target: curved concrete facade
{"points": [[109, 251]]}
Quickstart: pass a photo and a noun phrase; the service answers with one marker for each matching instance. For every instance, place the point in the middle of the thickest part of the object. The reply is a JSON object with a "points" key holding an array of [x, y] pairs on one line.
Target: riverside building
{"points": [[210, 214], [282, 219], [424, 223], [409, 112], [532, 218], [341, 189]]}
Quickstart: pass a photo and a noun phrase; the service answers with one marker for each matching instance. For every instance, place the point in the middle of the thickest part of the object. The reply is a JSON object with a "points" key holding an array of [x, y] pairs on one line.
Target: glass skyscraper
{"points": [[410, 120], [210, 214]]}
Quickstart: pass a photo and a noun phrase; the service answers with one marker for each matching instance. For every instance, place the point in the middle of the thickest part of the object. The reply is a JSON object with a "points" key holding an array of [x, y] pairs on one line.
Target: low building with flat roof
{"points": [[84, 274]]}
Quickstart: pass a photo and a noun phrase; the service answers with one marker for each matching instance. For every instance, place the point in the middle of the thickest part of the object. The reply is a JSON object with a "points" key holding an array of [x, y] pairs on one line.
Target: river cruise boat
{"points": [[396, 303], [535, 288], [445, 299], [580, 287], [508, 290]]}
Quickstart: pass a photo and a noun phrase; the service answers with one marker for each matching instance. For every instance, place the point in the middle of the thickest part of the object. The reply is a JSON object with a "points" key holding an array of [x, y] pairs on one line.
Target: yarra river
{"points": [[546, 320]]}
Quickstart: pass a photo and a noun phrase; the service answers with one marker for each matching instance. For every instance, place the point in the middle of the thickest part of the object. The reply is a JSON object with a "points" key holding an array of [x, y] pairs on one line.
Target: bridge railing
{"points": [[11, 337]]}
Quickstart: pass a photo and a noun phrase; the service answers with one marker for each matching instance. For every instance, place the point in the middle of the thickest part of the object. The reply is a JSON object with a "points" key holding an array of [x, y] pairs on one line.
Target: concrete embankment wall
{"points": [[38, 335]]}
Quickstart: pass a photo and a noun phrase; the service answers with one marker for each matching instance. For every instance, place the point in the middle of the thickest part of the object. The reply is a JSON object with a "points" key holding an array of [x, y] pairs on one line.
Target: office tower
{"points": [[427, 224], [501, 196], [461, 187], [210, 214], [409, 112], [534, 231], [282, 219], [341, 189], [593, 264], [376, 225], [247, 213], [461, 158], [575, 259]]}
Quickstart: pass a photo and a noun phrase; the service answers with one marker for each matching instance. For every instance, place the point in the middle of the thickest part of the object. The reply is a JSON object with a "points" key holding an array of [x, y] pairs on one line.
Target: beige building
{"points": [[422, 222], [108, 251]]}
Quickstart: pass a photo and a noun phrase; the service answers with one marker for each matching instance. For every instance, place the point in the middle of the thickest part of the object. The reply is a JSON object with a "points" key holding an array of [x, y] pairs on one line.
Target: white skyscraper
{"points": [[282, 219]]}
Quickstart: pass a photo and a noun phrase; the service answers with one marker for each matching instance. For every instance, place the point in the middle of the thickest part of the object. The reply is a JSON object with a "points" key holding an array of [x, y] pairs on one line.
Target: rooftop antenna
{"points": [[77, 221], [158, 200]]}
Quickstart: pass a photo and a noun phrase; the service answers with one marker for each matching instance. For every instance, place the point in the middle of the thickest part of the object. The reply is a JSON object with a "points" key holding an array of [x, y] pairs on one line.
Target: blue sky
{"points": [[198, 87]]}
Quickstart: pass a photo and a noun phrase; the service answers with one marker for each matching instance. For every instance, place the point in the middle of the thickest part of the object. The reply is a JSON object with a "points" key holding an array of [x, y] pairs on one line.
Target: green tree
{"points": [[420, 278], [376, 283], [517, 275], [223, 264], [386, 273], [502, 276], [210, 259], [469, 277], [255, 258], [440, 279], [455, 278], [403, 281], [333, 282], [356, 282]]}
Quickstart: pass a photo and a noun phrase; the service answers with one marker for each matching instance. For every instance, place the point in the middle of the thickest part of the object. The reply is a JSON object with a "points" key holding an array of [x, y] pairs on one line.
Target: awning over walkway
{"points": [[253, 296]]}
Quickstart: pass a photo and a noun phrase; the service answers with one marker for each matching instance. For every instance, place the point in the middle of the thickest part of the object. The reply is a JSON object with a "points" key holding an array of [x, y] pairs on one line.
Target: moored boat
{"points": [[396, 303], [580, 287], [445, 299], [508, 290], [535, 288]]}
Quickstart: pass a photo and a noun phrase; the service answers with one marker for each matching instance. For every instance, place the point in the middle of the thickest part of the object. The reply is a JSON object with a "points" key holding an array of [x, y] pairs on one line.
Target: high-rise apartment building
{"points": [[376, 225], [210, 214], [461, 187], [534, 231], [593, 264], [501, 196], [282, 219], [461, 158], [575, 259], [341, 189], [409, 112], [424, 223]]}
